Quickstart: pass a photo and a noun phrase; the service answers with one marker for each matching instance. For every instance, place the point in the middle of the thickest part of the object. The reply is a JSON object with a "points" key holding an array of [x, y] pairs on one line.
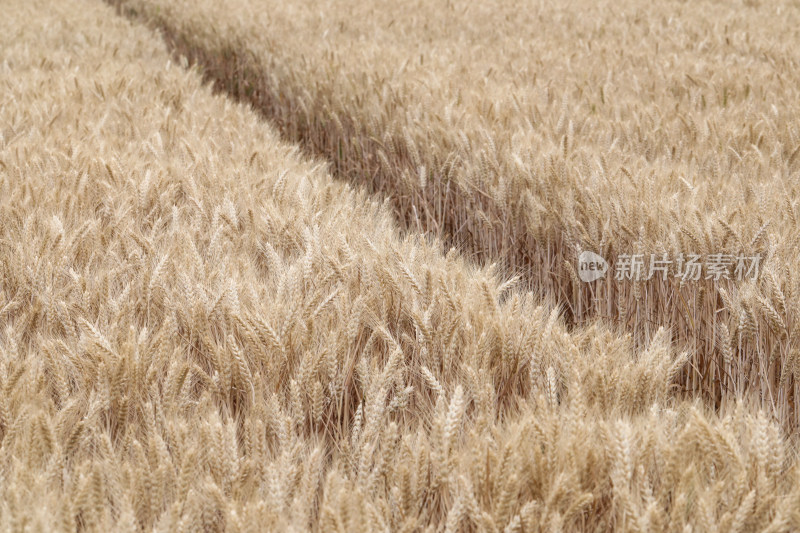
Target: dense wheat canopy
{"points": [[526, 132], [202, 329]]}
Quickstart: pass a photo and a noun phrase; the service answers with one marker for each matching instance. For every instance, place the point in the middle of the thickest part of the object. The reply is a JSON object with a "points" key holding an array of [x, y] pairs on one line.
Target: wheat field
{"points": [[207, 327], [526, 132]]}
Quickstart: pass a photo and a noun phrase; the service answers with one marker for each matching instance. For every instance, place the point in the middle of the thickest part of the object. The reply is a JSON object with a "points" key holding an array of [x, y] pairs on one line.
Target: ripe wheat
{"points": [[200, 330], [524, 133]]}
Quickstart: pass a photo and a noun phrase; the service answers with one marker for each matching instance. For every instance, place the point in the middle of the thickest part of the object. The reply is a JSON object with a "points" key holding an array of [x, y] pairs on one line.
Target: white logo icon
{"points": [[591, 266]]}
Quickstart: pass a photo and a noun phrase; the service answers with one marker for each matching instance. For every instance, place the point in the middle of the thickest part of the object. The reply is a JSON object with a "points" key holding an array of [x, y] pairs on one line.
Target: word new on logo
{"points": [[591, 266]]}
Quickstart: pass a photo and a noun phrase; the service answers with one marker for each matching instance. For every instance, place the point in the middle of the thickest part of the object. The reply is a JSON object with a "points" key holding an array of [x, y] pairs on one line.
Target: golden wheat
{"points": [[527, 132], [201, 330]]}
